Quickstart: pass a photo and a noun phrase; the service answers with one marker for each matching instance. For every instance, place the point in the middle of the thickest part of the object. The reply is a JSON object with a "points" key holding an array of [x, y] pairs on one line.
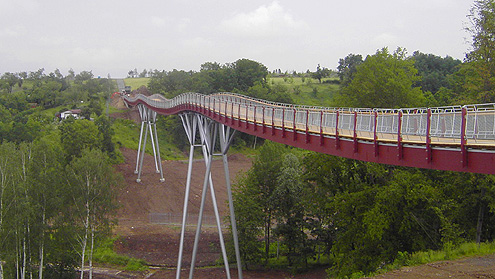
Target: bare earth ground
{"points": [[159, 244]]}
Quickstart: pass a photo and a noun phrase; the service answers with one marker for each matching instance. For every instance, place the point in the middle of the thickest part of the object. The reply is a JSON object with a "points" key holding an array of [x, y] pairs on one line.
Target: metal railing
{"points": [[454, 125]]}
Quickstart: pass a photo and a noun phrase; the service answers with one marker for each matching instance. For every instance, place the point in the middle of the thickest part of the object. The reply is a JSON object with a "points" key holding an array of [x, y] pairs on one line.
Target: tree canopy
{"points": [[238, 76], [348, 67], [434, 71], [384, 80], [482, 56]]}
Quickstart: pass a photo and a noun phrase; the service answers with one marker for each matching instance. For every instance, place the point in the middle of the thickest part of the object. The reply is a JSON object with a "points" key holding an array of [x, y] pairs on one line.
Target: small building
{"points": [[76, 113]]}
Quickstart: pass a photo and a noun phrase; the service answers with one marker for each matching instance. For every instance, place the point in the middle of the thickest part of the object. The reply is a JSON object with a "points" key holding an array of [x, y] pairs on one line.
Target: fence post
{"points": [[294, 125], [337, 139], [399, 136], [355, 133], [321, 128], [464, 152], [307, 126], [283, 123], [428, 138], [375, 135]]}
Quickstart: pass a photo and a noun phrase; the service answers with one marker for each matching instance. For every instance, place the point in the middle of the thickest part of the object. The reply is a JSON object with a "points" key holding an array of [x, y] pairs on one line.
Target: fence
{"points": [[176, 219]]}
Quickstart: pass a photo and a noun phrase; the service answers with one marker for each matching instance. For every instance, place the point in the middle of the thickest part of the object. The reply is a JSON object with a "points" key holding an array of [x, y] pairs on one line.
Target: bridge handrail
{"points": [[448, 125]]}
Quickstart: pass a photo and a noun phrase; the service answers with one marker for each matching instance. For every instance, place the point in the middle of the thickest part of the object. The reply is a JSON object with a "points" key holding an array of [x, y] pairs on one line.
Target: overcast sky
{"points": [[112, 37]]}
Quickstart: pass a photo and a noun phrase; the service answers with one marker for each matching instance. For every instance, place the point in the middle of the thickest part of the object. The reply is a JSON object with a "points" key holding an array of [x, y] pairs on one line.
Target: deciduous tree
{"points": [[92, 181], [482, 56], [347, 68], [384, 80]]}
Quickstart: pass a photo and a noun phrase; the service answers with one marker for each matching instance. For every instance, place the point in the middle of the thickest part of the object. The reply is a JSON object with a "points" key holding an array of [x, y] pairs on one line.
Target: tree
{"points": [[95, 105], [105, 130], [320, 73], [249, 220], [8, 181], [77, 135], [20, 222], [71, 74], [482, 29], [170, 83], [219, 77], [434, 70], [46, 191], [84, 76], [384, 80], [10, 79], [287, 199], [248, 72], [92, 181], [143, 74], [256, 190], [348, 67], [46, 93]]}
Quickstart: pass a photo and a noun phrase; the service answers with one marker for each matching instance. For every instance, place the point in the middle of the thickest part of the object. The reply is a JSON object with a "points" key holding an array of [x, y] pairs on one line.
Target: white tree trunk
{"points": [[91, 253], [85, 240], [17, 257], [42, 246], [2, 189], [23, 270]]}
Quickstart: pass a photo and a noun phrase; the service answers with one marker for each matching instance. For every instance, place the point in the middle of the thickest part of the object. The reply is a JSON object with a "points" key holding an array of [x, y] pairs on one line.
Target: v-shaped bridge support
{"points": [[148, 123], [208, 131]]}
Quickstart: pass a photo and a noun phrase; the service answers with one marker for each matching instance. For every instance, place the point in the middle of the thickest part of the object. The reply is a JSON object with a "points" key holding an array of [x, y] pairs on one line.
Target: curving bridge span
{"points": [[455, 138]]}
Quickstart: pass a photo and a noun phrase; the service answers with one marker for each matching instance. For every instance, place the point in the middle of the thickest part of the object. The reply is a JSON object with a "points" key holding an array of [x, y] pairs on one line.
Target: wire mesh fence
{"points": [[413, 125], [176, 219]]}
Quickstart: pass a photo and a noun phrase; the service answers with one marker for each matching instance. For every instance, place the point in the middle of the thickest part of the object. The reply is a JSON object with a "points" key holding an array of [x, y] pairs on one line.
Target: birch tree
{"points": [[7, 183], [46, 192], [92, 180]]}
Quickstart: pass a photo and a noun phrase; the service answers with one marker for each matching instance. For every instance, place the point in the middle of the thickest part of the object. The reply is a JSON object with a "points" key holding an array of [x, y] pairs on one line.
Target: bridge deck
{"points": [[447, 138]]}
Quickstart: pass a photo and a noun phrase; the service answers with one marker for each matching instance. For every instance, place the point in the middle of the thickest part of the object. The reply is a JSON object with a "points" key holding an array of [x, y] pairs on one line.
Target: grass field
{"points": [[135, 83], [307, 91]]}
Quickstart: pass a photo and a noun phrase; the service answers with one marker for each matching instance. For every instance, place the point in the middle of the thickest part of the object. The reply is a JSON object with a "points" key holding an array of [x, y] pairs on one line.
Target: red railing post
{"points": [[399, 136], [307, 126], [375, 135], [337, 139], [464, 152], [239, 114], [428, 138], [204, 104], [209, 107], [321, 128], [283, 123], [255, 125], [294, 125], [273, 121], [264, 126], [355, 133], [247, 116], [213, 110], [225, 111], [232, 113]]}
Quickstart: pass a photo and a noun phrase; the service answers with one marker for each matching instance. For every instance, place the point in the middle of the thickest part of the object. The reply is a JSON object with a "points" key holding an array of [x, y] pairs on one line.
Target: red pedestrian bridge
{"points": [[455, 138]]}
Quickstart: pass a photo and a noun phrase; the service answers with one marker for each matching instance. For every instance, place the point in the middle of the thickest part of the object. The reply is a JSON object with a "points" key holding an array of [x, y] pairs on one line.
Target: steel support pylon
{"points": [[148, 123], [208, 130]]}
